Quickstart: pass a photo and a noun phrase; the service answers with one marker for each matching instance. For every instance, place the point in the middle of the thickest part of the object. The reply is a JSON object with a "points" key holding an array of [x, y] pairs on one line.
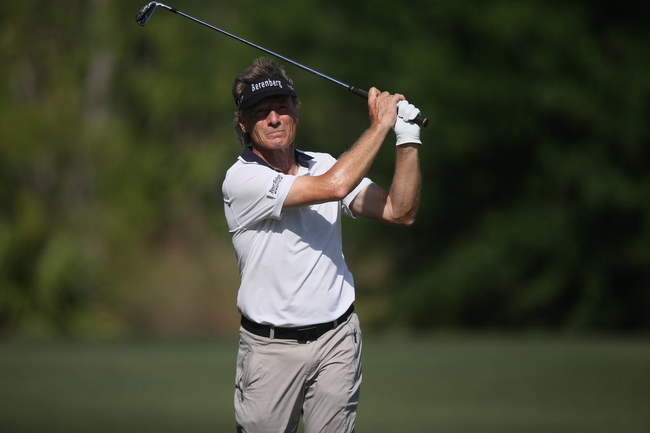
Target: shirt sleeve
{"points": [[347, 201], [253, 193]]}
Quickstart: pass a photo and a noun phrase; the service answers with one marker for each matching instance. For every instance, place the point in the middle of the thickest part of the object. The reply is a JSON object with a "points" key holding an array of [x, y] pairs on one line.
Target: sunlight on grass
{"points": [[429, 384]]}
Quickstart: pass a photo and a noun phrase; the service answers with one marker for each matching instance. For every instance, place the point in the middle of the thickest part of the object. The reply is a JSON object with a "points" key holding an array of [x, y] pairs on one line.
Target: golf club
{"points": [[145, 15]]}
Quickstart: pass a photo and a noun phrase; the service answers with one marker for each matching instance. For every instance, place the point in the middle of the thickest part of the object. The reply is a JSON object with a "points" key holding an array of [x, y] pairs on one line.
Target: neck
{"points": [[283, 159]]}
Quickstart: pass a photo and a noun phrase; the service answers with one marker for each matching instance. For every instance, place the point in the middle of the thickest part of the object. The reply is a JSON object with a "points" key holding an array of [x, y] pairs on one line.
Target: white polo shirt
{"points": [[291, 262]]}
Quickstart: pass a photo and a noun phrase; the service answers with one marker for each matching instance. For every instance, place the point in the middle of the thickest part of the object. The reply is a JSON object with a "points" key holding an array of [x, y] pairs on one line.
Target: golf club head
{"points": [[145, 13]]}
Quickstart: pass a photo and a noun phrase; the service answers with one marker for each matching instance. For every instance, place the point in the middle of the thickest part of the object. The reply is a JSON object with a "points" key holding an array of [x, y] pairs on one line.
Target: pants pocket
{"points": [[244, 370], [354, 334]]}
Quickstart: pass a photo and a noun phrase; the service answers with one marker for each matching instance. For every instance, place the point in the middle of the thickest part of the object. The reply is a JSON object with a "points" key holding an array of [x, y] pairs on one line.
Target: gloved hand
{"points": [[405, 130]]}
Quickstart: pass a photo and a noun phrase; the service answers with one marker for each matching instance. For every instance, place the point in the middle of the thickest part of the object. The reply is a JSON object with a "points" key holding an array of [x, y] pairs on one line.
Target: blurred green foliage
{"points": [[536, 197]]}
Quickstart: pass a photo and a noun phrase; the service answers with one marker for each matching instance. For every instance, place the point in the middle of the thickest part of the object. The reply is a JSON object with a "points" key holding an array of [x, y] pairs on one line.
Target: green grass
{"points": [[476, 384]]}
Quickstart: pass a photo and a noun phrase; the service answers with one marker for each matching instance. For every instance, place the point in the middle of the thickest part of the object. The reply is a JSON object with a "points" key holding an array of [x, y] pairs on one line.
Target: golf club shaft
{"points": [[145, 13]]}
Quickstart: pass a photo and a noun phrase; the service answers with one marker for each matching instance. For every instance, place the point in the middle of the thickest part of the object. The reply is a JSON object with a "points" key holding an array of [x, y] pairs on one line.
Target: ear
{"points": [[242, 124]]}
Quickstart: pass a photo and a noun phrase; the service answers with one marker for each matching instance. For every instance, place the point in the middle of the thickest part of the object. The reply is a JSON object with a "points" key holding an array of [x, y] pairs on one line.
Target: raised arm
{"points": [[353, 165], [399, 205]]}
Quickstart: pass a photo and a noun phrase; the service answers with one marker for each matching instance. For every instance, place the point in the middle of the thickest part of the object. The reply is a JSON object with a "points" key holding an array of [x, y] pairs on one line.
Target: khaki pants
{"points": [[278, 380]]}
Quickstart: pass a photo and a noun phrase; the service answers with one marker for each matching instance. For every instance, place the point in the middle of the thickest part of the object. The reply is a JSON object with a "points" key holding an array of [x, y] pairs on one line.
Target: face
{"points": [[271, 122]]}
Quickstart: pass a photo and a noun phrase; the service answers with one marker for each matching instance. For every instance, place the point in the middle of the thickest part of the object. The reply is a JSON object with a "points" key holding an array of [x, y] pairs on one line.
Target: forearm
{"points": [[352, 166], [404, 194]]}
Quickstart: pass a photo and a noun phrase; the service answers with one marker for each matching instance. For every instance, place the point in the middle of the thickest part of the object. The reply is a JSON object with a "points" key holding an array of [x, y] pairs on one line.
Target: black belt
{"points": [[302, 334]]}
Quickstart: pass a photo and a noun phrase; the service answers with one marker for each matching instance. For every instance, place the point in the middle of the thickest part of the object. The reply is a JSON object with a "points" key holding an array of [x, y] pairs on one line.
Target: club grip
{"points": [[419, 119]]}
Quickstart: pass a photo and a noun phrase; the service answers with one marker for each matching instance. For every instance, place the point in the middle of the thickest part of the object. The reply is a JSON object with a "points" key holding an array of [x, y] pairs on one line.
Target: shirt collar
{"points": [[249, 156]]}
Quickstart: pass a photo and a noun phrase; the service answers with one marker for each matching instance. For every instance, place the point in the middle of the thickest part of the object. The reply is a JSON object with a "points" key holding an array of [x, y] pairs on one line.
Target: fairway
{"points": [[471, 384]]}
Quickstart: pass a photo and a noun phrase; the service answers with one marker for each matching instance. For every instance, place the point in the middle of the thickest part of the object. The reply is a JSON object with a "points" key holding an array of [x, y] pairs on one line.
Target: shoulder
{"points": [[240, 169], [242, 176]]}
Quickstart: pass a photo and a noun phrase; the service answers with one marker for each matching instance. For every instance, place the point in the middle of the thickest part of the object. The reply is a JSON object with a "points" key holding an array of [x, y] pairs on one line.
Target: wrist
{"points": [[404, 139], [414, 146], [379, 128]]}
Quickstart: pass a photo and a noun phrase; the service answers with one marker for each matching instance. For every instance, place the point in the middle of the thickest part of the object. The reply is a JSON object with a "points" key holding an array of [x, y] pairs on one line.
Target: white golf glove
{"points": [[406, 130]]}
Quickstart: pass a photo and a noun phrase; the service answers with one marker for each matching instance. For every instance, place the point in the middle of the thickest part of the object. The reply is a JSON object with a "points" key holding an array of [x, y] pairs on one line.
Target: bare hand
{"points": [[382, 107]]}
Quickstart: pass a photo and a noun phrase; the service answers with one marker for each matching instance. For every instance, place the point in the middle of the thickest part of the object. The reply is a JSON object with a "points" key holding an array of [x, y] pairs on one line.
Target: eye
{"points": [[260, 113]]}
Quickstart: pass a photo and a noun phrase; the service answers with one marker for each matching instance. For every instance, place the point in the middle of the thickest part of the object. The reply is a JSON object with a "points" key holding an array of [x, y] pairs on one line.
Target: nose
{"points": [[273, 117]]}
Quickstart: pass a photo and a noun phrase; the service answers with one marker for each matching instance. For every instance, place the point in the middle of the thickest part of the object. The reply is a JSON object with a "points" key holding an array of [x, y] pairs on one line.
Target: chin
{"points": [[279, 143]]}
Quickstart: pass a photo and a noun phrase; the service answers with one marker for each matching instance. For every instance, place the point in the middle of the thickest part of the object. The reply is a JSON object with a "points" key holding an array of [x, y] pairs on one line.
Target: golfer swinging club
{"points": [[300, 340]]}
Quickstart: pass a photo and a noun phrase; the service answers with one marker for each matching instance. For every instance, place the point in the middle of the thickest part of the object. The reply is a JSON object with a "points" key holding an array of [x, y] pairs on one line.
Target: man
{"points": [[300, 341]]}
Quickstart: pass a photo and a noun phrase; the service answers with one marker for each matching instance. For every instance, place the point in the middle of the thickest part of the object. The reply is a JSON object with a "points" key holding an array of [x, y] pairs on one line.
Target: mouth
{"points": [[276, 133]]}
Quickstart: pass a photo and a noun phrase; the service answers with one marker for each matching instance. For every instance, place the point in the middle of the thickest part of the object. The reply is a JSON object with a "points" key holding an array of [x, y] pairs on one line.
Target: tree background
{"points": [[115, 138]]}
